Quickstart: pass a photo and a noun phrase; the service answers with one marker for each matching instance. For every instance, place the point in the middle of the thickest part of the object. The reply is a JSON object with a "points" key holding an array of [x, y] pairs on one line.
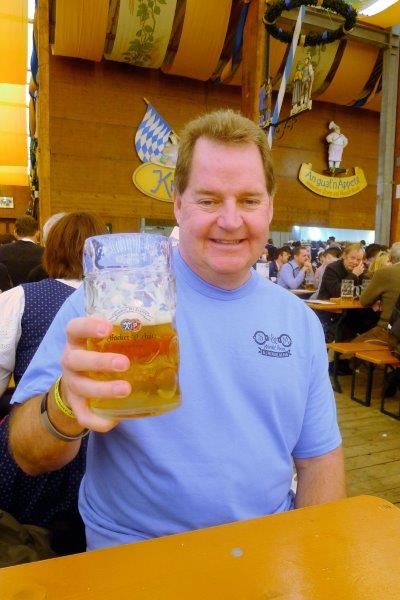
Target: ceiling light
{"points": [[376, 7]]}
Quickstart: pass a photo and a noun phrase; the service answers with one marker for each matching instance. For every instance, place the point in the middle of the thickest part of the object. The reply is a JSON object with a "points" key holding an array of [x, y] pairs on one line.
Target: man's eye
{"points": [[251, 202], [207, 203]]}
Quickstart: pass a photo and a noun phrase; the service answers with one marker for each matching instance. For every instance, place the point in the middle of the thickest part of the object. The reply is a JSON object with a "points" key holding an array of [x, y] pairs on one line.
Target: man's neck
{"points": [[26, 238]]}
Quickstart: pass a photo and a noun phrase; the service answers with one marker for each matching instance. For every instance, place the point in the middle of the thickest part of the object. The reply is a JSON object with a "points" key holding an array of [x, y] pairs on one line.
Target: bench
{"points": [[373, 357], [352, 348]]}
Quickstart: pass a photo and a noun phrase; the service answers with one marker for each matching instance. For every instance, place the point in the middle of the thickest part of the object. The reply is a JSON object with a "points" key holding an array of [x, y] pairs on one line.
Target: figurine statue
{"points": [[296, 89], [337, 142], [307, 78]]}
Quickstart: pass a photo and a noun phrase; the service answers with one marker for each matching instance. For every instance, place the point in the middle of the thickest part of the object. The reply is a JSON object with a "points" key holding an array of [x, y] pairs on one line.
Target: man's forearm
{"points": [[34, 449]]}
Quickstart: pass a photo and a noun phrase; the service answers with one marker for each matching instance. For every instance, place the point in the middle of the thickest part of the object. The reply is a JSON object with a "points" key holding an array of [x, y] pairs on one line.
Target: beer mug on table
{"points": [[347, 289], [309, 281], [129, 281]]}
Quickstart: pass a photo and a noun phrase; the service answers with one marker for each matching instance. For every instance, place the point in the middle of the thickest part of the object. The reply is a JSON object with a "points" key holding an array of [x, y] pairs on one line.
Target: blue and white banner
{"points": [[152, 135], [286, 73]]}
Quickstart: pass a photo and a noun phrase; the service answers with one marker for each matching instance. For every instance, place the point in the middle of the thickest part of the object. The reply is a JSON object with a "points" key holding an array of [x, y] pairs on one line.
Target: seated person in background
{"points": [[271, 250], [38, 273], [22, 255], [330, 255], [26, 312], [292, 274], [326, 257], [384, 288], [282, 258], [227, 453], [380, 260], [350, 266], [371, 251]]}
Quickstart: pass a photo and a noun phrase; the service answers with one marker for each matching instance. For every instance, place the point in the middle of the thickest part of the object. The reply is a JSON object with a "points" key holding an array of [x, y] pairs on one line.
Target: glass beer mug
{"points": [[347, 289], [128, 281]]}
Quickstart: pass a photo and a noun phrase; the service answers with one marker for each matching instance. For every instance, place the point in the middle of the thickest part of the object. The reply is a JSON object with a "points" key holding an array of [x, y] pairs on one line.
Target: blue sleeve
{"points": [[286, 279], [320, 432], [45, 366]]}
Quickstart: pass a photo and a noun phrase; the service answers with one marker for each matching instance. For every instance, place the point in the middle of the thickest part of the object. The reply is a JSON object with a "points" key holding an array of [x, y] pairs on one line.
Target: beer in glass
{"points": [[129, 281]]}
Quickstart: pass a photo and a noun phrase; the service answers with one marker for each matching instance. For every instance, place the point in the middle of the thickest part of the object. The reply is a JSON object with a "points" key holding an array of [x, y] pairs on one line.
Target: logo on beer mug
{"points": [[131, 325]]}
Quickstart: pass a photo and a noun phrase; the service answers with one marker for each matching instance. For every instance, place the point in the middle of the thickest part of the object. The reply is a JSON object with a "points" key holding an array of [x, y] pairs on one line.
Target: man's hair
{"points": [[52, 220], [372, 250], [333, 251], [284, 249], [395, 252], [351, 248], [298, 249], [26, 226], [62, 257], [225, 127]]}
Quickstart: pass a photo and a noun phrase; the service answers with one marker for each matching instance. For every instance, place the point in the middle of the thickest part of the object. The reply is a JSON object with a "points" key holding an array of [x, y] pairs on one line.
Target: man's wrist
{"points": [[63, 406], [49, 425], [62, 421]]}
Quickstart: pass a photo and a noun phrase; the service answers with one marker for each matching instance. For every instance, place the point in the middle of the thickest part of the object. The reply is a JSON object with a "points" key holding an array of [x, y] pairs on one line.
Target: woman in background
{"points": [[26, 312], [380, 260]]}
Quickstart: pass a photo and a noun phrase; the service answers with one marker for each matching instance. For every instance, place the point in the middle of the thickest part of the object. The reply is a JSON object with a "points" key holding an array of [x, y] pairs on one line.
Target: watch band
{"points": [[44, 417]]}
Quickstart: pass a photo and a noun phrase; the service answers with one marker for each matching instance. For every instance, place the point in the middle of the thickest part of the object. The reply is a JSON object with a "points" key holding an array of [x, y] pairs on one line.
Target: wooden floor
{"points": [[371, 442]]}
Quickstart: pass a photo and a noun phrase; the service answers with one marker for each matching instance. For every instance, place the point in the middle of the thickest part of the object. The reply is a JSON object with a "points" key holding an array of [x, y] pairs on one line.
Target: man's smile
{"points": [[227, 242]]}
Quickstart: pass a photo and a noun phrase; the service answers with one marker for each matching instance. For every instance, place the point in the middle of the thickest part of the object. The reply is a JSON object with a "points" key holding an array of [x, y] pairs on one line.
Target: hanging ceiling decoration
{"points": [[312, 38], [203, 39]]}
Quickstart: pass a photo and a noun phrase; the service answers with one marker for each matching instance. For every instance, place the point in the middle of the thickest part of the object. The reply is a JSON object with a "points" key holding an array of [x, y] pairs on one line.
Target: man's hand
{"points": [[307, 266], [358, 270], [77, 361]]}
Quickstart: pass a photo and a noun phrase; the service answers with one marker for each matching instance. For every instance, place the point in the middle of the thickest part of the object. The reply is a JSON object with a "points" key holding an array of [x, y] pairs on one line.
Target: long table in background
{"points": [[341, 550]]}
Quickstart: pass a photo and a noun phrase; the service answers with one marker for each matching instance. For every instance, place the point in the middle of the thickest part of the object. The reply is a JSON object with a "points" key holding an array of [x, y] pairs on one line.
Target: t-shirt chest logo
{"points": [[269, 344]]}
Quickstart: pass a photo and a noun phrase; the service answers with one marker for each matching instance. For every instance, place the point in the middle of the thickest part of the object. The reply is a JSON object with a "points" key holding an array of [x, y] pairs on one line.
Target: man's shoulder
{"points": [[334, 267], [288, 266], [391, 275]]}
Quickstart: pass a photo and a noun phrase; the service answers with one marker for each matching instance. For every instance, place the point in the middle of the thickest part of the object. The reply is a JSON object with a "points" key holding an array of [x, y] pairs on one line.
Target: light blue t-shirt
{"points": [[255, 392]]}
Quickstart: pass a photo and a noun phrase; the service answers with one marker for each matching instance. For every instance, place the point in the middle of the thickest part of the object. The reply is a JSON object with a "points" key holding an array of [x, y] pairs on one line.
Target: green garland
{"points": [[311, 39]]}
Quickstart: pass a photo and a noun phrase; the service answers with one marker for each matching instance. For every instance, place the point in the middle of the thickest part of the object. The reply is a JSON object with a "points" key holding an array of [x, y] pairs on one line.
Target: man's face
{"points": [[285, 257], [224, 212], [302, 257], [353, 259]]}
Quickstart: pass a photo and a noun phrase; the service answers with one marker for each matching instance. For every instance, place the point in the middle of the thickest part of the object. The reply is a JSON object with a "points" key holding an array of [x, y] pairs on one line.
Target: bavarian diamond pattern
{"points": [[152, 135]]}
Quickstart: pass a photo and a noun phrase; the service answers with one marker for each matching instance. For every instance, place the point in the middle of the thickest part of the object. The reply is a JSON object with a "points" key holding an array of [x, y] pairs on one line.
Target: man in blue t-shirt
{"points": [[227, 453], [293, 273]]}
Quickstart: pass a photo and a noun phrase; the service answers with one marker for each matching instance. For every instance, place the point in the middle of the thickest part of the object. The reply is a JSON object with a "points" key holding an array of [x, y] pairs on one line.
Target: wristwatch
{"points": [[44, 417]]}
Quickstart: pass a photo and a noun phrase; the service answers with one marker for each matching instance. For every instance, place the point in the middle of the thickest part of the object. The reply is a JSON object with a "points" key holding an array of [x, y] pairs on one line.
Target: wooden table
{"points": [[302, 292], [343, 347], [344, 550], [336, 305]]}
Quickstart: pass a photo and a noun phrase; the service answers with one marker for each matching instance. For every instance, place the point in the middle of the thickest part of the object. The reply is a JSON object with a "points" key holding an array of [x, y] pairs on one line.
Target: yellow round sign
{"points": [[155, 181], [332, 187]]}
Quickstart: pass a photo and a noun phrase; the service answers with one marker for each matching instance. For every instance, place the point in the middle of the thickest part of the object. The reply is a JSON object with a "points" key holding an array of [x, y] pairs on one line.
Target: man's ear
{"points": [[177, 206]]}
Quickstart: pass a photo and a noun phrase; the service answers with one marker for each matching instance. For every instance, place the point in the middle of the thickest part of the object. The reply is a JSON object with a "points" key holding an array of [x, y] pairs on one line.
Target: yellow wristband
{"points": [[59, 401]]}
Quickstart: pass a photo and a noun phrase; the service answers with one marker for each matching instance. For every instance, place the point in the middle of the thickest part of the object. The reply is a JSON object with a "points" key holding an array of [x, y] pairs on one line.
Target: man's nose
{"points": [[229, 216]]}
